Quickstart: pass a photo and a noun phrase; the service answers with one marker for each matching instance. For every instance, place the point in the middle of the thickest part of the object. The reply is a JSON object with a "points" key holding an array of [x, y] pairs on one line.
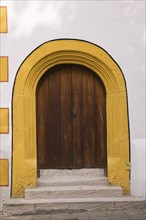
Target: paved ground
{"points": [[131, 214]]}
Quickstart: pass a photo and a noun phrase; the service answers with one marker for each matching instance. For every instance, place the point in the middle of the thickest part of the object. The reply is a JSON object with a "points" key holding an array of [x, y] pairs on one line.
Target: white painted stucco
{"points": [[138, 168], [116, 26]]}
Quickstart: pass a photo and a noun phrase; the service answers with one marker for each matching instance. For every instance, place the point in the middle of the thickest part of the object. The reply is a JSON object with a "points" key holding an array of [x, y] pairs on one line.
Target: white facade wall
{"points": [[138, 168], [116, 26]]}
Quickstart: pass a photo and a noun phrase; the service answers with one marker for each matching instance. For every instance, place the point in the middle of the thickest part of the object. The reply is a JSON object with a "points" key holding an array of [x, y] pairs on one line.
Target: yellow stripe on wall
{"points": [[4, 120], [3, 19], [4, 69], [4, 172]]}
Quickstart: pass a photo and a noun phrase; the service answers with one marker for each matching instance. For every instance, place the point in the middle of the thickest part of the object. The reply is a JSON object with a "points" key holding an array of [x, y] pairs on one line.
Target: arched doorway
{"points": [[71, 119], [45, 57]]}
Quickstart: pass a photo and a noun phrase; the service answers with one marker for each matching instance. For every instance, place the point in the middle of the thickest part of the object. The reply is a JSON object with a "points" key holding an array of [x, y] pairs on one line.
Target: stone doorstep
{"points": [[46, 206], [71, 181], [72, 172], [73, 192]]}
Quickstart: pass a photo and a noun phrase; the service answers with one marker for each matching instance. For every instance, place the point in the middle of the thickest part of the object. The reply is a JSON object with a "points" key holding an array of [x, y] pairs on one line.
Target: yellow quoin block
{"points": [[3, 19], [4, 120], [3, 69], [4, 172]]}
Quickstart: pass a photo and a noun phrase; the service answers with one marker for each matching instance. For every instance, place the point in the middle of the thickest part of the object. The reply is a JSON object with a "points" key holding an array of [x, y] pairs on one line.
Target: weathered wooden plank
{"points": [[100, 123], [66, 117], [53, 118], [41, 122], [77, 97], [49, 123], [88, 134]]}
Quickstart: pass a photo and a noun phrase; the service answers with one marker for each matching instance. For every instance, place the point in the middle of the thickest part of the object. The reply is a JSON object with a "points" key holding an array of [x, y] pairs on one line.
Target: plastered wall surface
{"points": [[138, 168], [116, 26]]}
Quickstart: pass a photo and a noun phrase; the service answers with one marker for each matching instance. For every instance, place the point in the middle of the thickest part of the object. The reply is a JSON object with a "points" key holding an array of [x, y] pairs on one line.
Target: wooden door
{"points": [[71, 119]]}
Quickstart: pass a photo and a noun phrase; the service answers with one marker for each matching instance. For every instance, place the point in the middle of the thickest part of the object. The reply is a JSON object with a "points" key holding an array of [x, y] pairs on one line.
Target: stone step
{"points": [[45, 206], [71, 181], [73, 192], [72, 172]]}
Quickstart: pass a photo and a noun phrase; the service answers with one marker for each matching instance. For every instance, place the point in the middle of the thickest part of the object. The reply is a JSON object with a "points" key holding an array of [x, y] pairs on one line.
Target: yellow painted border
{"points": [[4, 120], [4, 69], [32, 69], [4, 172], [3, 19]]}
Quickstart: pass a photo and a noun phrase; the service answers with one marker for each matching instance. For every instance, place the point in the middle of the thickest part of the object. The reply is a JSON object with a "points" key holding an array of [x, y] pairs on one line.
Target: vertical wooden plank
{"points": [[53, 121], [100, 123], [88, 134], [49, 121], [66, 116], [77, 96], [42, 107]]}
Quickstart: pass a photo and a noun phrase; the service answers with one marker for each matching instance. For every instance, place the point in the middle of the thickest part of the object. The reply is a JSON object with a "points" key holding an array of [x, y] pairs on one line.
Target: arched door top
{"points": [[71, 51], [44, 57], [71, 119]]}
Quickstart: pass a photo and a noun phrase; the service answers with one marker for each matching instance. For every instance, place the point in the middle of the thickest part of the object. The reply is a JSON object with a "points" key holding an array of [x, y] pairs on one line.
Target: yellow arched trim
{"points": [[49, 54]]}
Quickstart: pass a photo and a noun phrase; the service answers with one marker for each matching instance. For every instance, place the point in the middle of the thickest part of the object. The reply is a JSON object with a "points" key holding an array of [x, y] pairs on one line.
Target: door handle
{"points": [[74, 114]]}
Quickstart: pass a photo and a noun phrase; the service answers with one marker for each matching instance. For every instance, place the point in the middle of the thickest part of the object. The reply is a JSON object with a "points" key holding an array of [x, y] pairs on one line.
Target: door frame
{"points": [[47, 55]]}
